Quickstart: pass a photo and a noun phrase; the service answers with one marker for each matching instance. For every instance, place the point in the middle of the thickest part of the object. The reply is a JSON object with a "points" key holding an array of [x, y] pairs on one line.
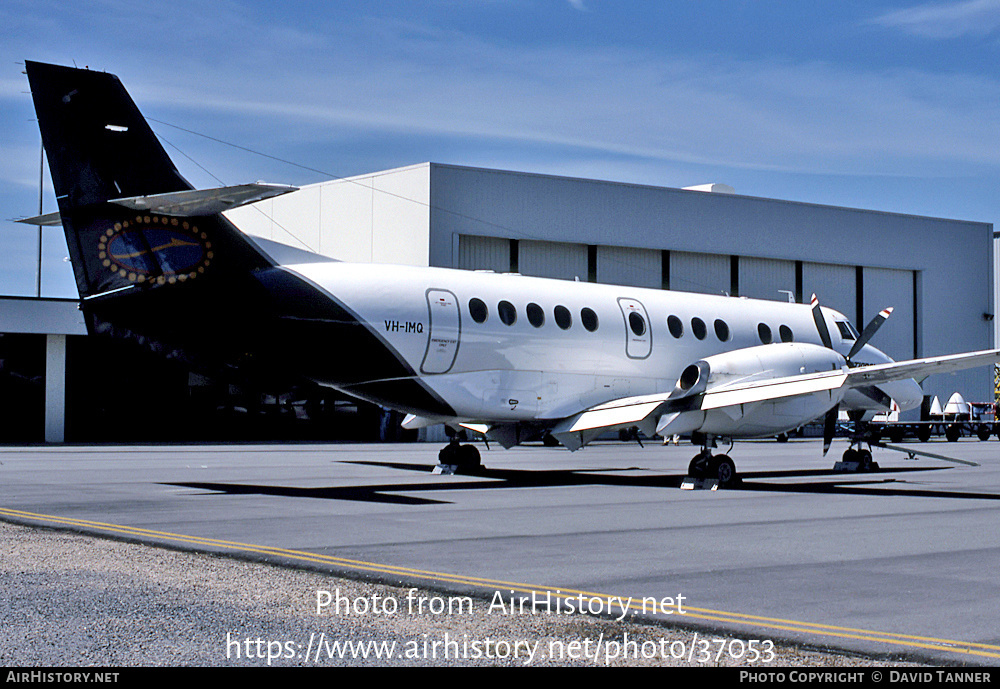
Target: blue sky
{"points": [[883, 105]]}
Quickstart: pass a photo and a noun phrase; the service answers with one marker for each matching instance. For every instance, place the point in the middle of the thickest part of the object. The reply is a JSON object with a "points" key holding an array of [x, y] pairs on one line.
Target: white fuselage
{"points": [[516, 356]]}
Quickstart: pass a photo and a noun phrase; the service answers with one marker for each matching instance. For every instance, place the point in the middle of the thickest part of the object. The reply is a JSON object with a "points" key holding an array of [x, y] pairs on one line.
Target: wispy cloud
{"points": [[338, 83], [759, 114], [946, 19], [453, 96]]}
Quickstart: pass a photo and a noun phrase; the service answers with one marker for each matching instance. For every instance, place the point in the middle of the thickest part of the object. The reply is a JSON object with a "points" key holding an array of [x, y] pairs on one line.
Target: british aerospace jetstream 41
{"points": [[512, 357]]}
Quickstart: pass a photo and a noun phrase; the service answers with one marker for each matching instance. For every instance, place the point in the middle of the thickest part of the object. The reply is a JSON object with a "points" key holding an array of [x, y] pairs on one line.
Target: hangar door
{"points": [[761, 278], [483, 253], [891, 287], [705, 273], [617, 265], [552, 259], [834, 285]]}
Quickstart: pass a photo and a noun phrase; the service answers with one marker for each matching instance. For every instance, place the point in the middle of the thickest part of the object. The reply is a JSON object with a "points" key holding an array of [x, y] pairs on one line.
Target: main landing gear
{"points": [[456, 458], [718, 468]]}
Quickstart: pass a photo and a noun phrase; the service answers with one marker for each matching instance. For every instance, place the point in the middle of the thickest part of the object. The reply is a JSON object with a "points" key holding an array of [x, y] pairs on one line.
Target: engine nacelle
{"points": [[758, 363], [761, 363]]}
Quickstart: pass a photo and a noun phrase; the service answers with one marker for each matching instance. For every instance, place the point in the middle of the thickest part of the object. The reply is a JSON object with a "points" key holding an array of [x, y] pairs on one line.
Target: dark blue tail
{"points": [[100, 149]]}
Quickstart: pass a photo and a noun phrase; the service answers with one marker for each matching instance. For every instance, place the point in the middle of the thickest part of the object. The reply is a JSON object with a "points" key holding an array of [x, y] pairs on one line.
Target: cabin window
{"points": [[721, 330], [637, 323], [786, 334], [699, 328], [764, 333], [478, 310], [589, 319], [563, 317], [507, 312], [536, 316], [675, 326]]}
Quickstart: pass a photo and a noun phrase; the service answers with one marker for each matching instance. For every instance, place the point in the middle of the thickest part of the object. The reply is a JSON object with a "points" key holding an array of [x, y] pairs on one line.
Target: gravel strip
{"points": [[75, 600]]}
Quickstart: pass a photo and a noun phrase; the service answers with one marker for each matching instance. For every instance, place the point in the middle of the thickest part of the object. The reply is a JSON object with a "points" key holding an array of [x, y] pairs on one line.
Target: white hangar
{"points": [[936, 273]]}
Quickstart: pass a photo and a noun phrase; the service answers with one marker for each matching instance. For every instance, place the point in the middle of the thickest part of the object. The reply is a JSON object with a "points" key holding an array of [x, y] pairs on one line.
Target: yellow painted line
{"points": [[910, 641]]}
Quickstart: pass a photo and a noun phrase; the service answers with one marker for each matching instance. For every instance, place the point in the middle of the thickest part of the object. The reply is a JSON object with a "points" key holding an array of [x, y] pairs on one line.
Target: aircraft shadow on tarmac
{"points": [[877, 483]]}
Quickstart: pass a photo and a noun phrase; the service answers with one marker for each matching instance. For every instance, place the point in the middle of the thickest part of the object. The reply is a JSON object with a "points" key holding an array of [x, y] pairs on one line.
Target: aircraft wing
{"points": [[672, 413], [919, 368], [576, 431]]}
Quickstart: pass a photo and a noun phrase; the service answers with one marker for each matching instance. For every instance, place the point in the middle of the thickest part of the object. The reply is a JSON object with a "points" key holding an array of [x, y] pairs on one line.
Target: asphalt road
{"points": [[900, 561]]}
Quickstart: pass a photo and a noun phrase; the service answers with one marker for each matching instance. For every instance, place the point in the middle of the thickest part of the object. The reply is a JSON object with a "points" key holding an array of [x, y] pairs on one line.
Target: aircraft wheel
{"points": [[468, 457], [851, 455], [694, 468], [465, 457], [449, 454], [698, 468], [865, 461], [723, 469]]}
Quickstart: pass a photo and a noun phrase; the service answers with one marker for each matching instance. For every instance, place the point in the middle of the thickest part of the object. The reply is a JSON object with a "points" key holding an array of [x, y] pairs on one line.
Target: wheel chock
{"points": [[691, 483]]}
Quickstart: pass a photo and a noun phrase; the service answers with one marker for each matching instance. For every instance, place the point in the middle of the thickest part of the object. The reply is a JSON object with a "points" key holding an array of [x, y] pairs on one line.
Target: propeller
{"points": [[869, 332], [824, 332], [830, 422]]}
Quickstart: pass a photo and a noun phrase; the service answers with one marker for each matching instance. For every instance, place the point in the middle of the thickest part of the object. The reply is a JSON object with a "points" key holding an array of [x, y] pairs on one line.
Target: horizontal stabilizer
{"points": [[47, 220], [187, 204], [199, 202]]}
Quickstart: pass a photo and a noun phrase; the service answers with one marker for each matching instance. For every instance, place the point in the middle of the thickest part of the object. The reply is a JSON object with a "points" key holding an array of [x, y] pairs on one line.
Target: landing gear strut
{"points": [[719, 468], [458, 458]]}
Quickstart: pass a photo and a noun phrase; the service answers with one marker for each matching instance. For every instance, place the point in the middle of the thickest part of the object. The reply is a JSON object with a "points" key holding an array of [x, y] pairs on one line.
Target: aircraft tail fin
{"points": [[100, 149]]}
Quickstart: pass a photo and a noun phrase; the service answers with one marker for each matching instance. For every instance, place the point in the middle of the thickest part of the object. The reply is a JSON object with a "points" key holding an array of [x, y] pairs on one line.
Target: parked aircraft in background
{"points": [[512, 357]]}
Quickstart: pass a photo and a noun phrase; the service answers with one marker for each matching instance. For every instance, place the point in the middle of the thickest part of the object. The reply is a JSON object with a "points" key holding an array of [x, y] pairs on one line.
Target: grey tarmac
{"points": [[894, 564]]}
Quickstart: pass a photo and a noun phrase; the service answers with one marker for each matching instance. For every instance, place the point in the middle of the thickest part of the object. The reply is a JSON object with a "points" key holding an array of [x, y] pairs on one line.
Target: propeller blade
{"points": [[824, 332], [830, 427], [870, 331]]}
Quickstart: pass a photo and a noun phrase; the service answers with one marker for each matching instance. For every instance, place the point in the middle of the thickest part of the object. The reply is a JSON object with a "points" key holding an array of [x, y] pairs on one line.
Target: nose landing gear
{"points": [[856, 460]]}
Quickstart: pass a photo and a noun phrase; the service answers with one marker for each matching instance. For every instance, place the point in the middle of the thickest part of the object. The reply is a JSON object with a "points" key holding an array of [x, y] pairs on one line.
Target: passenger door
{"points": [[638, 333], [443, 331]]}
